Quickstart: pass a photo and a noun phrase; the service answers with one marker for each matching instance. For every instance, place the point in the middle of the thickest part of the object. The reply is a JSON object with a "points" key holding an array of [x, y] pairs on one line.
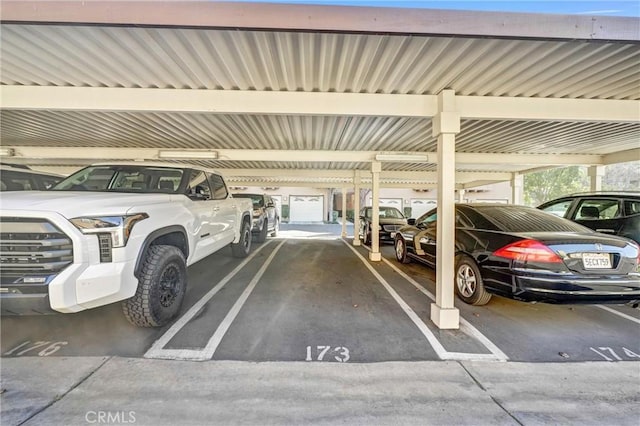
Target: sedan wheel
{"points": [[366, 238], [401, 251], [469, 285]]}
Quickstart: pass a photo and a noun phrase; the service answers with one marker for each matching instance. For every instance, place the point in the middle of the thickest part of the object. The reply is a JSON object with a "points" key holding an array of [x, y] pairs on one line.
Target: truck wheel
{"points": [[243, 247], [276, 228], [469, 284], [262, 236], [161, 288]]}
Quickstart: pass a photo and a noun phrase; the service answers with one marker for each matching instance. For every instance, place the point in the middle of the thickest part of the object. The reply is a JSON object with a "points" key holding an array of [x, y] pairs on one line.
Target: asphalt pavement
{"points": [[308, 331]]}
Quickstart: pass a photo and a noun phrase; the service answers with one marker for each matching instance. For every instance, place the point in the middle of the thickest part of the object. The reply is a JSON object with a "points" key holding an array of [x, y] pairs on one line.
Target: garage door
{"points": [[391, 202], [306, 208], [419, 206]]}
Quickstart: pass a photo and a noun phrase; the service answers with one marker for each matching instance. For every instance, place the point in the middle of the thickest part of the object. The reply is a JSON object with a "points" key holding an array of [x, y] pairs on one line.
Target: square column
{"points": [[517, 186], [445, 126], [596, 173], [344, 212], [374, 254], [356, 208]]}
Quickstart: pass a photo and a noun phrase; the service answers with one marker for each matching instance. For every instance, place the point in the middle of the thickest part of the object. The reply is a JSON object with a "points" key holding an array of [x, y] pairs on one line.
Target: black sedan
{"points": [[390, 220], [526, 254]]}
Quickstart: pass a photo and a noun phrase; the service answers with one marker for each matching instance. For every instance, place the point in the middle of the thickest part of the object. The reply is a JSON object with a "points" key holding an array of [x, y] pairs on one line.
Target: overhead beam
{"points": [[528, 159], [509, 108], [103, 153], [310, 103], [214, 101], [461, 176], [622, 156], [325, 185], [288, 17]]}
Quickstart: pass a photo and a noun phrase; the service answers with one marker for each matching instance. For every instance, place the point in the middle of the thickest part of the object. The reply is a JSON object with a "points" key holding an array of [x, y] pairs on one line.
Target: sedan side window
{"points": [[631, 207], [598, 209], [558, 209]]}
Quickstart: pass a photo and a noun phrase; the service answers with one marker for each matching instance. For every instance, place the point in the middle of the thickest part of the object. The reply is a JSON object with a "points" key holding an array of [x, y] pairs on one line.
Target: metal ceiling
{"points": [[121, 56], [90, 56]]}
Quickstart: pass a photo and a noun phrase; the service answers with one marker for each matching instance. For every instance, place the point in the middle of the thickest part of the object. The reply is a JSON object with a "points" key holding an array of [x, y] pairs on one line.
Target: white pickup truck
{"points": [[116, 232]]}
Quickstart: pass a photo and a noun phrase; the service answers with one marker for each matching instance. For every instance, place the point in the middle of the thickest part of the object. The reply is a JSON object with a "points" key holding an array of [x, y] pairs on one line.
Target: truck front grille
{"points": [[32, 247]]}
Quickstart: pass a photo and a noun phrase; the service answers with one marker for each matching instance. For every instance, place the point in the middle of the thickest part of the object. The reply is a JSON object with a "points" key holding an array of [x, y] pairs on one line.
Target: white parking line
{"points": [[465, 326], [157, 349], [620, 314], [215, 340], [433, 341]]}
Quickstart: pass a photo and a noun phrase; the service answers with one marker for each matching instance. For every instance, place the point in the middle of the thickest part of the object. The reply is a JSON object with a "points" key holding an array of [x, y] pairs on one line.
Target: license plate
{"points": [[596, 261]]}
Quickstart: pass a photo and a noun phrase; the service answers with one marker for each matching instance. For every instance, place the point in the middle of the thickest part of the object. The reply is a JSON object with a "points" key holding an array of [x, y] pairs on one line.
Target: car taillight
{"points": [[528, 251], [638, 251]]}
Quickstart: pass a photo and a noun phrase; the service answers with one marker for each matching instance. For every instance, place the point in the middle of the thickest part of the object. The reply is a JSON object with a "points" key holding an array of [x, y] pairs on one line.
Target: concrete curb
{"points": [[157, 392]]}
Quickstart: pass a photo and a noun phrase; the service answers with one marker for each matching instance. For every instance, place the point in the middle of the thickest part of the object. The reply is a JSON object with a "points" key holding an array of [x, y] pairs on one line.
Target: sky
{"points": [[571, 7]]}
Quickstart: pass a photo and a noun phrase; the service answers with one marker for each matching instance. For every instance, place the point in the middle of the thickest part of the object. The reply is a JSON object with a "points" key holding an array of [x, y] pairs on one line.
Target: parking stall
{"points": [[321, 300]]}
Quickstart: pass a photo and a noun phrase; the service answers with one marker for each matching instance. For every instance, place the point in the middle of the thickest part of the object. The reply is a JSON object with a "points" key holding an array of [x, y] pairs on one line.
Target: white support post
{"points": [[517, 186], [356, 207], [446, 124], [344, 212], [374, 254], [596, 173], [461, 193]]}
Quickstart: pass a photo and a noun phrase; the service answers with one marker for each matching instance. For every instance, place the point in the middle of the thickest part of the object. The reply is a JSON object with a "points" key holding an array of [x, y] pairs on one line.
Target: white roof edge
{"points": [[312, 18]]}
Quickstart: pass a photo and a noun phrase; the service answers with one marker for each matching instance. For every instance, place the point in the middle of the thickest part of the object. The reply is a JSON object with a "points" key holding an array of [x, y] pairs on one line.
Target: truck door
{"points": [[227, 209]]}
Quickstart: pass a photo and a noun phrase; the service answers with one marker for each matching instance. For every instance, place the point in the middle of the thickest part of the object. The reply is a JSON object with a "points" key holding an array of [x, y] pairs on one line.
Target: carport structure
{"points": [[322, 96]]}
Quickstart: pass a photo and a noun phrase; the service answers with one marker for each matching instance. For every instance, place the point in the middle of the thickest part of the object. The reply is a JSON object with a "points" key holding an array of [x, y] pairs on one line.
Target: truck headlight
{"points": [[118, 227]]}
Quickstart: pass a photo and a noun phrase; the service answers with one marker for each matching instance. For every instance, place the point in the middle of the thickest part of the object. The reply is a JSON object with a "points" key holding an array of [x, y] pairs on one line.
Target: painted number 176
{"points": [[318, 353]]}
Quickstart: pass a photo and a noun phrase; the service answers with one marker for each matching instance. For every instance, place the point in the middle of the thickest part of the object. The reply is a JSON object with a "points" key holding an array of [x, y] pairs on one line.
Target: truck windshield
{"points": [[256, 199], [144, 179]]}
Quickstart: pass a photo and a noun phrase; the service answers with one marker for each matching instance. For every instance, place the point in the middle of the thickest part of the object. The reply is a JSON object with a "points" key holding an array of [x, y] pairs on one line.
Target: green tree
{"points": [[549, 184], [622, 177]]}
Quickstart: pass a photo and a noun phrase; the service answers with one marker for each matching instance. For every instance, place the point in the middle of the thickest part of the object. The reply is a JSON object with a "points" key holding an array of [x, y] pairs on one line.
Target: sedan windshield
{"points": [[143, 179]]}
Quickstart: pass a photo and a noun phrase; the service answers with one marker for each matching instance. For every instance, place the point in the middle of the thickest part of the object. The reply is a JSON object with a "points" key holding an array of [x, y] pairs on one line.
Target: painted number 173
{"points": [[319, 353]]}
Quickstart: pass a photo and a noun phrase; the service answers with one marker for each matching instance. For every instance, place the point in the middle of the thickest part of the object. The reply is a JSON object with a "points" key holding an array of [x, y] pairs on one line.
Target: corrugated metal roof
{"points": [[76, 55], [94, 56], [179, 130]]}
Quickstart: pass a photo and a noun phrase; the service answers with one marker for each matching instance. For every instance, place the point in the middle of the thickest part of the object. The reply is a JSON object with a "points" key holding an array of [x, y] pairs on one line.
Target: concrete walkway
{"points": [[103, 390]]}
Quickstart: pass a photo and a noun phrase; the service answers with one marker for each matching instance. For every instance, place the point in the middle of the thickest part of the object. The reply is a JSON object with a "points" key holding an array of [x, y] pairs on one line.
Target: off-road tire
{"points": [[276, 228], [243, 246], [261, 237], [400, 247], [161, 288], [468, 282]]}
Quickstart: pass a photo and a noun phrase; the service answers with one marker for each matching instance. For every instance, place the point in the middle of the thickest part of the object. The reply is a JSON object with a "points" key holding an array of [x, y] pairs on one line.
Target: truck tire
{"points": [[161, 288], [243, 247], [276, 228], [262, 236]]}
